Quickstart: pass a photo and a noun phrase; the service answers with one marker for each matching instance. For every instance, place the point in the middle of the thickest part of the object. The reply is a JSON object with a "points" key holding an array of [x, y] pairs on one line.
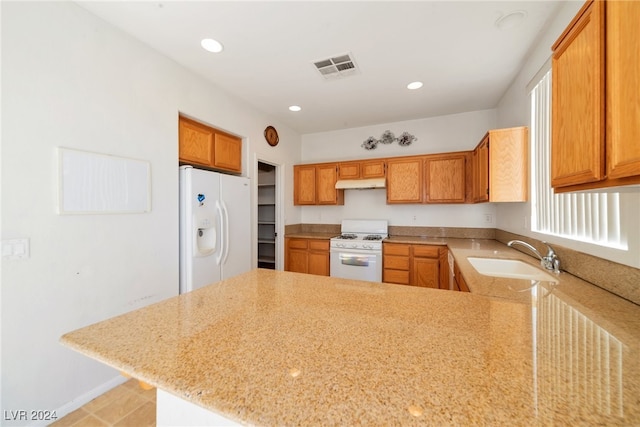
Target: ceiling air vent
{"points": [[336, 67]]}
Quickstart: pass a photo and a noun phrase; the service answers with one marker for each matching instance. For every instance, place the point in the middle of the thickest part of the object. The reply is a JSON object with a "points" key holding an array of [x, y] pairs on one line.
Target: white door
{"points": [[200, 243], [236, 202]]}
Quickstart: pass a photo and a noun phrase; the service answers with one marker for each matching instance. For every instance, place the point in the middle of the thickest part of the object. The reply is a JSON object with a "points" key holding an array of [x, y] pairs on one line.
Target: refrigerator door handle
{"points": [[226, 232], [222, 233]]}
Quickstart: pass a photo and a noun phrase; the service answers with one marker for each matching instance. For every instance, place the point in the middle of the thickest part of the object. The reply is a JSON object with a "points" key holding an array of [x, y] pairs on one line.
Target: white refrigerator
{"points": [[215, 227]]}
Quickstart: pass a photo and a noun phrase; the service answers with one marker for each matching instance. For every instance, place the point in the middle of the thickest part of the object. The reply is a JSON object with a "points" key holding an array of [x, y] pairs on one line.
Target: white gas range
{"points": [[357, 252]]}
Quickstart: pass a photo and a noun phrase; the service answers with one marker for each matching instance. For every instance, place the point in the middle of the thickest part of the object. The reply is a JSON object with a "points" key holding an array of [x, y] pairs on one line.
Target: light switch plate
{"points": [[15, 249]]}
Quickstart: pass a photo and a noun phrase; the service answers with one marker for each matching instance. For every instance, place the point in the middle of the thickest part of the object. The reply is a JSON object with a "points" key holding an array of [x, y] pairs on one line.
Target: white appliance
{"points": [[215, 227], [357, 252]]}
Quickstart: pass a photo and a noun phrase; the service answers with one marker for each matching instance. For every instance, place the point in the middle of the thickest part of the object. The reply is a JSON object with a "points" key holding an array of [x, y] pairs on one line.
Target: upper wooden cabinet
{"points": [[404, 180], [480, 171], [326, 193], [499, 166], [595, 110], [495, 171], [361, 169], [445, 177], [316, 185], [623, 91], [202, 145]]}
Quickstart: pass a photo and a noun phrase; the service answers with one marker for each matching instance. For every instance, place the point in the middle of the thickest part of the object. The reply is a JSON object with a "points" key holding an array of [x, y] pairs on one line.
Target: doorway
{"points": [[267, 216]]}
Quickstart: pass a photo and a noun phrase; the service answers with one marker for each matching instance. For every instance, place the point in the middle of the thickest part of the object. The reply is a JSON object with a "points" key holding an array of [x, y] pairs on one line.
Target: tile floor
{"points": [[127, 405]]}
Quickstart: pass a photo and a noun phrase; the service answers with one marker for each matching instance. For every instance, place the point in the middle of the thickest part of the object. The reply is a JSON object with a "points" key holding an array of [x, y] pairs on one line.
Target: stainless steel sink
{"points": [[510, 268]]}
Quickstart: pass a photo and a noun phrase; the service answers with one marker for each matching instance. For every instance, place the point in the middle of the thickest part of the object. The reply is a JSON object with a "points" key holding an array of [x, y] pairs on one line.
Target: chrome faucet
{"points": [[550, 261]]}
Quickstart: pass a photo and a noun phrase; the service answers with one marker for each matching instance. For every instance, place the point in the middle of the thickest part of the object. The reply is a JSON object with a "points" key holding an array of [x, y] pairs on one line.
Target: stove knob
{"points": [[340, 245], [354, 245], [368, 246]]}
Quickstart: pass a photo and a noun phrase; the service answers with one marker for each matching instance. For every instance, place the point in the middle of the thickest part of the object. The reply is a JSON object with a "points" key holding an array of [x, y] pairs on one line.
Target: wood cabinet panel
{"points": [[481, 171], [318, 245], [326, 193], [310, 256], [227, 152], [372, 169], [297, 261], [349, 170], [396, 262], [195, 142], [500, 166], [297, 244], [426, 272], [508, 165], [315, 184], [396, 276], [426, 251], [404, 180], [578, 79], [460, 282], [622, 89], [416, 265], [304, 189], [445, 178], [397, 249], [202, 145], [318, 263]]}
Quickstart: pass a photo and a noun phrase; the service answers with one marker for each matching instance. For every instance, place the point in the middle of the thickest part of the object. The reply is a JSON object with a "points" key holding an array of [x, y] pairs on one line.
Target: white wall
{"points": [[457, 132], [69, 79], [513, 110]]}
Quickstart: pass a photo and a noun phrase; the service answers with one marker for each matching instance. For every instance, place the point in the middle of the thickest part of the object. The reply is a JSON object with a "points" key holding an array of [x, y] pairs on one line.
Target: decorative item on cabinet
{"points": [[595, 114], [203, 146], [388, 137]]}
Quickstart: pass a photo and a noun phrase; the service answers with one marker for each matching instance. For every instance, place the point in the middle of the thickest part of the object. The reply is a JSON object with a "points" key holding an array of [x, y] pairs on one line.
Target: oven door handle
{"points": [[355, 260]]}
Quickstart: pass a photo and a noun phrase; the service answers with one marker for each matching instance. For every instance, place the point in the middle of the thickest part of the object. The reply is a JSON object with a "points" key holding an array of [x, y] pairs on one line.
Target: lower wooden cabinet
{"points": [[459, 282], [307, 256], [415, 265]]}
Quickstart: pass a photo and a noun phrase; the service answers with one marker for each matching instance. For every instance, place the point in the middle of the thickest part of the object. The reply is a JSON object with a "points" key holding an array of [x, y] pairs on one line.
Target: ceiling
{"points": [[464, 60]]}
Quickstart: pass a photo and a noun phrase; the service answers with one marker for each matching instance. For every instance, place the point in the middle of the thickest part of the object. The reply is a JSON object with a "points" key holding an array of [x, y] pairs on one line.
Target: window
{"points": [[587, 217]]}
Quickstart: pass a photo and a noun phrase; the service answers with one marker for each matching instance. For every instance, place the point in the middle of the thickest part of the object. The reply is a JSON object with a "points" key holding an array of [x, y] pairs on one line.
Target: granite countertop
{"points": [[279, 348]]}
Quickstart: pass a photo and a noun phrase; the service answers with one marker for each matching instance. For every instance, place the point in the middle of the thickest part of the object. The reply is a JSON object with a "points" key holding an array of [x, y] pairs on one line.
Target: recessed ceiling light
{"points": [[211, 45], [295, 108], [414, 85], [511, 20]]}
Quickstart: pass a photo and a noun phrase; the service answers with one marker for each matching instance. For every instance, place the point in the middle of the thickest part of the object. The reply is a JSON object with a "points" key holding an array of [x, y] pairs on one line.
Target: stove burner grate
{"points": [[372, 237], [347, 236]]}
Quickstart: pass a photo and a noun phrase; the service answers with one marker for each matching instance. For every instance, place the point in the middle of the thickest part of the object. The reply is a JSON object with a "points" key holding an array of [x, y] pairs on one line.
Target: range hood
{"points": [[360, 183]]}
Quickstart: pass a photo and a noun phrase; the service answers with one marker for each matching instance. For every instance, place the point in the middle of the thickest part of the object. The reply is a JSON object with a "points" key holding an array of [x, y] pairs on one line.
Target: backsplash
{"points": [[618, 279], [451, 232]]}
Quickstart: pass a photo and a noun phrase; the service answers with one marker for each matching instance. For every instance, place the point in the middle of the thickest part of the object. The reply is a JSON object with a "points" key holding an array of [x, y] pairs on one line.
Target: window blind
{"points": [[587, 217]]}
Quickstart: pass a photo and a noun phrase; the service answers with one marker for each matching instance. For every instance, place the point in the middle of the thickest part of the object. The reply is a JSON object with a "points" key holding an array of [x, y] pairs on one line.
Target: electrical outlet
{"points": [[488, 218]]}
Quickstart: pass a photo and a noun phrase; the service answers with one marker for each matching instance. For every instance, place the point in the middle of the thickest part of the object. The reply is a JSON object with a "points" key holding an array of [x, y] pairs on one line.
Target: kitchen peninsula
{"points": [[279, 348]]}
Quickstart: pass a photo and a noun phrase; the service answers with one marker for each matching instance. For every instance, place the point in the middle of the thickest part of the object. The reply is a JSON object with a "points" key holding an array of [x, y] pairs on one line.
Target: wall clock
{"points": [[271, 135]]}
